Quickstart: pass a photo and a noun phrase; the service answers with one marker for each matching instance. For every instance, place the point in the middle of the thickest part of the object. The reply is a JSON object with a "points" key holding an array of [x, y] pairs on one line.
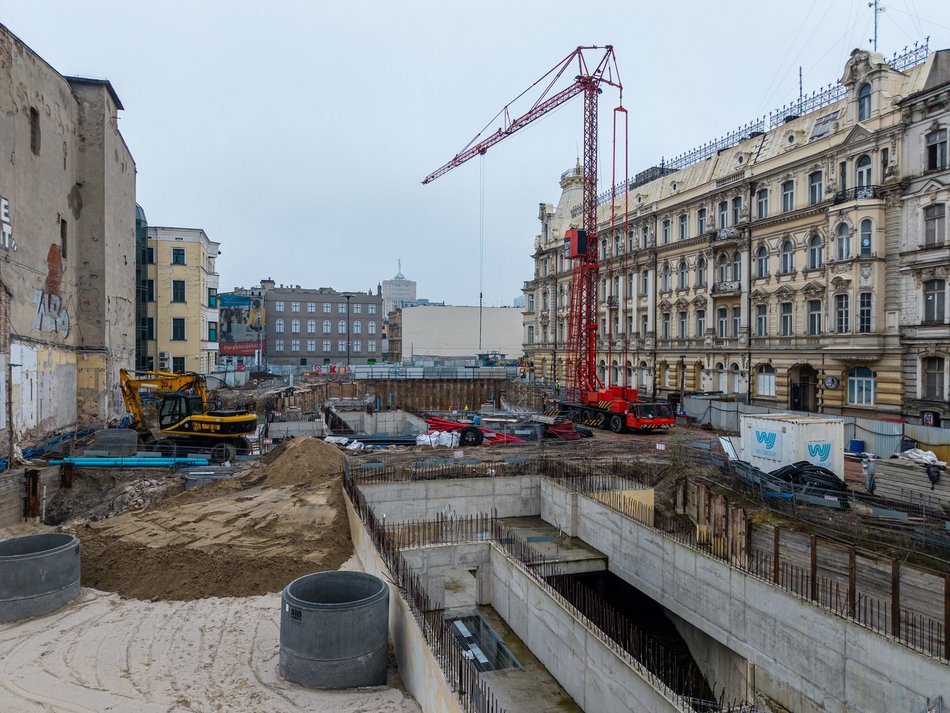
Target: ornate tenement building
{"points": [[800, 264]]}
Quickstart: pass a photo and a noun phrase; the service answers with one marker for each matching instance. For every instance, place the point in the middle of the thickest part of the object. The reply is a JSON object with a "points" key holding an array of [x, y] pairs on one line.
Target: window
{"points": [[823, 126], [666, 231], [665, 322], [788, 257], [761, 320], [665, 279], [178, 329], [295, 345], [150, 290], [212, 298], [736, 210], [843, 250], [341, 327], [358, 326], [723, 214], [814, 252], [278, 345], [150, 256], [618, 248], [723, 268], [178, 256], [935, 224], [935, 301], [861, 386], [645, 237], [311, 308], [701, 272], [864, 102], [885, 162], [341, 345], [937, 150], [279, 306], [178, 290], [294, 306], [212, 331], [736, 320], [814, 317], [371, 346], [35, 131], [785, 312], [788, 196], [279, 326], [864, 312], [862, 173], [326, 307], [842, 314], [178, 364], [736, 266], [762, 203], [326, 345], [684, 226], [864, 233], [683, 275], [295, 326], [723, 322], [311, 326], [530, 334], [311, 345], [341, 308], [815, 187], [358, 308], [603, 249], [765, 381], [700, 322], [701, 220], [932, 382], [681, 319], [370, 309], [644, 324], [149, 328], [326, 326], [371, 327], [644, 280]]}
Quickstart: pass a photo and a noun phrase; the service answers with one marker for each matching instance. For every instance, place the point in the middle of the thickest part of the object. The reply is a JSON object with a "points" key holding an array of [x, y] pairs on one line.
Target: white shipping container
{"points": [[770, 441]]}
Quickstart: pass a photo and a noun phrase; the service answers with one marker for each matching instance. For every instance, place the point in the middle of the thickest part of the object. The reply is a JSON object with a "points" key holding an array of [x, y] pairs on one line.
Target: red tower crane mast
{"points": [[580, 244]]}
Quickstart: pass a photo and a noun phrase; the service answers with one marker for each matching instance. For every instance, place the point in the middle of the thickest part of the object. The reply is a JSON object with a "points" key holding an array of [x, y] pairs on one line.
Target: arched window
{"points": [[737, 266], [723, 268], [295, 326], [311, 326], [788, 257], [862, 174], [815, 249], [865, 231], [601, 370], [665, 284], [765, 381], [864, 102], [720, 377], [341, 327], [843, 249], [629, 372], [614, 373], [861, 386], [279, 326], [684, 278], [701, 272], [734, 373], [762, 262], [644, 376]]}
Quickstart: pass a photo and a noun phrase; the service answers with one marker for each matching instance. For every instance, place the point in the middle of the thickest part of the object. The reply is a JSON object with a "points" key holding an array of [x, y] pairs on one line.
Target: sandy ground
{"points": [[107, 653]]}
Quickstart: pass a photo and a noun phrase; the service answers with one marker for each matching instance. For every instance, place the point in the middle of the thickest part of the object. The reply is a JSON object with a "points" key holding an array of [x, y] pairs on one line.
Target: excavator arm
{"points": [[132, 383]]}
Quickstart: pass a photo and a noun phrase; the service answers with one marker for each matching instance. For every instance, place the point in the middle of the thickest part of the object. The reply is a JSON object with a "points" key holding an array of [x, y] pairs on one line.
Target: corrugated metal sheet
{"points": [[880, 437]]}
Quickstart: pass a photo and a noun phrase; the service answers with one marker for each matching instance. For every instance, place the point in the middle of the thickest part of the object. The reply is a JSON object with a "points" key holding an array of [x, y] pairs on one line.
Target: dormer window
{"points": [[864, 102]]}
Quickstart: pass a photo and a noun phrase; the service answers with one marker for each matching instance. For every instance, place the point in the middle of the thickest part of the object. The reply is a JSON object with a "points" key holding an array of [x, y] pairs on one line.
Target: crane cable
{"points": [[481, 246]]}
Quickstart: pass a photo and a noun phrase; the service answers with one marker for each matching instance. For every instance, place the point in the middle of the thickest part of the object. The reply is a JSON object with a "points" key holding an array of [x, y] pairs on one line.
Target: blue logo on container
{"points": [[767, 438], [821, 451]]}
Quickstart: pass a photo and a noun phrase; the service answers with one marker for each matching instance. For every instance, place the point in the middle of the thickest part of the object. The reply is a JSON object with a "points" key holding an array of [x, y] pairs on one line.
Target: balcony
{"points": [[860, 193], [613, 301], [727, 287], [726, 235]]}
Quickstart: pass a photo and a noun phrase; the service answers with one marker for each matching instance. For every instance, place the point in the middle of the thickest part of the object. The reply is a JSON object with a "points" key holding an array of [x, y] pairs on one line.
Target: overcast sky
{"points": [[297, 133]]}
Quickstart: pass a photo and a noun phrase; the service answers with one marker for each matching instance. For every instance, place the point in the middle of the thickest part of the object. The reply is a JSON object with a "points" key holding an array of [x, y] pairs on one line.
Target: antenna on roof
{"points": [[878, 9]]}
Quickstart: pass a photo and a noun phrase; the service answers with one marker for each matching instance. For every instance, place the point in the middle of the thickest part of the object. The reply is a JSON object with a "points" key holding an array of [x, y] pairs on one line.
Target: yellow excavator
{"points": [[184, 420]]}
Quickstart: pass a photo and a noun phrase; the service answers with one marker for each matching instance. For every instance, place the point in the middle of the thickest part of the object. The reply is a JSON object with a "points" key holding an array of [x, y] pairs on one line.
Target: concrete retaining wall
{"points": [[417, 666], [435, 563], [806, 658], [593, 675], [511, 496]]}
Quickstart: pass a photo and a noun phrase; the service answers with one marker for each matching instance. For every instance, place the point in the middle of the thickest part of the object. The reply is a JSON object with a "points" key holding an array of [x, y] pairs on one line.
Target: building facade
{"points": [[315, 327], [766, 265], [181, 295], [396, 291], [67, 249], [434, 333]]}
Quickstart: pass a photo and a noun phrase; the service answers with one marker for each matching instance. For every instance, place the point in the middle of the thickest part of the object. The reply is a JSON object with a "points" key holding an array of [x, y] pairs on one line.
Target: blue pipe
{"points": [[130, 462]]}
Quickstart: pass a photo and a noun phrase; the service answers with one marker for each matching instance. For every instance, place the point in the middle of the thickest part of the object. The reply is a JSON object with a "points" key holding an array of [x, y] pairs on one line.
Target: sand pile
{"points": [[240, 537]]}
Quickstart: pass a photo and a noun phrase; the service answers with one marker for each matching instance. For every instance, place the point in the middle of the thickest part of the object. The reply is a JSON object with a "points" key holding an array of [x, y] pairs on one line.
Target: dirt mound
{"points": [[303, 460]]}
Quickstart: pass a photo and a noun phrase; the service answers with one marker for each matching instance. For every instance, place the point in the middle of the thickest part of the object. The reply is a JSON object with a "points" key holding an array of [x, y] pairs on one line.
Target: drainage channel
{"points": [[640, 626]]}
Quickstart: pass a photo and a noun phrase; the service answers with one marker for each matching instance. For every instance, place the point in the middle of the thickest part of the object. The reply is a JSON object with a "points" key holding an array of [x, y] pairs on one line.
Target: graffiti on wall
{"points": [[50, 313], [7, 241]]}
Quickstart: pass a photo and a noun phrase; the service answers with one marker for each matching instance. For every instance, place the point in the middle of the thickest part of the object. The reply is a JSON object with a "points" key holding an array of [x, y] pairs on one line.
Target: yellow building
{"points": [[765, 264], [181, 328]]}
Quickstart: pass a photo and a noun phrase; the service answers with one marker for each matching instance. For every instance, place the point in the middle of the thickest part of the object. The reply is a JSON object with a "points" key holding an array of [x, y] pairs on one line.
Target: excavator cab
{"points": [[175, 408]]}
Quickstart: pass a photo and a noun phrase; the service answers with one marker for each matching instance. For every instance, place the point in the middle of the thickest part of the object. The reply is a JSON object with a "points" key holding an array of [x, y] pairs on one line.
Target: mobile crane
{"points": [[588, 399], [184, 420]]}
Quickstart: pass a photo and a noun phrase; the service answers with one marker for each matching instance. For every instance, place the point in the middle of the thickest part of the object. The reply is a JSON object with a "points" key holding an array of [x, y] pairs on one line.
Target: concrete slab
{"points": [[574, 554]]}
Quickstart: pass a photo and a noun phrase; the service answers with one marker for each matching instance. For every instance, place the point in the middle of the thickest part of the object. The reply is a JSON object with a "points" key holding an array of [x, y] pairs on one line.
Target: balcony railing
{"points": [[613, 301], [858, 194], [727, 233], [727, 287]]}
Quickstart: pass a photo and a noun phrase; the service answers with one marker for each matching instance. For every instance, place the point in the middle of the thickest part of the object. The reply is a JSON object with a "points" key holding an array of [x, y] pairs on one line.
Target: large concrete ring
{"points": [[38, 575]]}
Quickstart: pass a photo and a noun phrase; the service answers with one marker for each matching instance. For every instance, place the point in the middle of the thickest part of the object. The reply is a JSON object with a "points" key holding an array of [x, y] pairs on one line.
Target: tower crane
{"points": [[588, 400]]}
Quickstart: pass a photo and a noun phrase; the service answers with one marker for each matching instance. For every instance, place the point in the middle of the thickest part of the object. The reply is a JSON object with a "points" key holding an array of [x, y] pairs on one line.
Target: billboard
{"points": [[242, 324]]}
